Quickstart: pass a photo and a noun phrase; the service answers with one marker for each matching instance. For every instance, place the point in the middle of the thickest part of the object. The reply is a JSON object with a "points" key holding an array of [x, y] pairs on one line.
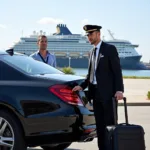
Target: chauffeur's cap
{"points": [[91, 28]]}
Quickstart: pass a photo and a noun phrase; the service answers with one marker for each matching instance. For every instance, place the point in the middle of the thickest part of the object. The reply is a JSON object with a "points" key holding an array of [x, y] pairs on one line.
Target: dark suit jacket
{"points": [[108, 73]]}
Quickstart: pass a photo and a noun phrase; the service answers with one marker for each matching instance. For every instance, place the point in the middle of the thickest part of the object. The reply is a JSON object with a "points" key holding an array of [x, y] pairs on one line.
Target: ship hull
{"points": [[130, 63]]}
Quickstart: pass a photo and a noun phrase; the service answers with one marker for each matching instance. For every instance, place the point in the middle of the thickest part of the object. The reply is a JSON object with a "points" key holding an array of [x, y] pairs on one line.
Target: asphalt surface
{"points": [[137, 115]]}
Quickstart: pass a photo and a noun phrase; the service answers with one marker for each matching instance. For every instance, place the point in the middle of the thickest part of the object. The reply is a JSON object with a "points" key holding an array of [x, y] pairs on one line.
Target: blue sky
{"points": [[127, 19]]}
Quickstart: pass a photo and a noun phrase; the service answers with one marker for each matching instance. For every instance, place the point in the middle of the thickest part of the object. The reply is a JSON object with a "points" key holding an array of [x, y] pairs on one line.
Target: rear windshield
{"points": [[29, 65]]}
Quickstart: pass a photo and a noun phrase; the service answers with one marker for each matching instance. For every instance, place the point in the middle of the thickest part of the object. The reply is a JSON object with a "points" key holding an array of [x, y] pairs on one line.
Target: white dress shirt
{"points": [[97, 52]]}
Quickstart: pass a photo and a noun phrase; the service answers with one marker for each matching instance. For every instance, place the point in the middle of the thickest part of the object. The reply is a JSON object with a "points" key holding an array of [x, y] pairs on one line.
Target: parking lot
{"points": [[137, 115]]}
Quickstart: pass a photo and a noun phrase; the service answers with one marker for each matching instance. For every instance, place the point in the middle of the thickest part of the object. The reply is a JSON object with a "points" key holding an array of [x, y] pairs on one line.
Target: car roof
{"points": [[9, 52]]}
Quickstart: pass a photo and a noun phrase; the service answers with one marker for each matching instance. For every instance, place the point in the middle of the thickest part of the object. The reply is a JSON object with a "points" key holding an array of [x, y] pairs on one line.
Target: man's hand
{"points": [[119, 95], [77, 88]]}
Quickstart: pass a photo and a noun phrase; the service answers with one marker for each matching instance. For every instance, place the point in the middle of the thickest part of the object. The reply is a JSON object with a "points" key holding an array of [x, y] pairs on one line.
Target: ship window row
{"points": [[30, 52], [59, 45], [128, 53], [54, 49], [58, 48], [72, 45], [53, 45], [67, 50], [85, 49], [126, 48], [125, 52], [53, 40], [68, 47]]}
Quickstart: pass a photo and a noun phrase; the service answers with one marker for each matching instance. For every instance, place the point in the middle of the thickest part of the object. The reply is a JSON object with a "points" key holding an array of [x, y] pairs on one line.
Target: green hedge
{"points": [[135, 77], [68, 70], [148, 95]]}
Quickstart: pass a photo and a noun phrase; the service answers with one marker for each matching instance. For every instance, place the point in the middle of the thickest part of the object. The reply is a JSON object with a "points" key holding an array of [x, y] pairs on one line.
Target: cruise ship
{"points": [[72, 49]]}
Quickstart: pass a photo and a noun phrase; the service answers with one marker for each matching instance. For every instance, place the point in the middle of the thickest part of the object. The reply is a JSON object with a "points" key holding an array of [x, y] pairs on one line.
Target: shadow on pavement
{"points": [[42, 149], [35, 149], [72, 149]]}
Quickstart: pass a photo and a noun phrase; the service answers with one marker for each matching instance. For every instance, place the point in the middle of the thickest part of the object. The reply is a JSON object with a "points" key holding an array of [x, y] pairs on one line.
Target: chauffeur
{"points": [[104, 80]]}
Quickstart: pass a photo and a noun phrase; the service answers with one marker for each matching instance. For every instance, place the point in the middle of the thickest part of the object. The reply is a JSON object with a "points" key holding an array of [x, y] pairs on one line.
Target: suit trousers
{"points": [[104, 116]]}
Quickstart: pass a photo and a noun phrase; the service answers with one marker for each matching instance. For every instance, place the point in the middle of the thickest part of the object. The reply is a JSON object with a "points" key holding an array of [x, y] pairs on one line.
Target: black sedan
{"points": [[38, 107]]}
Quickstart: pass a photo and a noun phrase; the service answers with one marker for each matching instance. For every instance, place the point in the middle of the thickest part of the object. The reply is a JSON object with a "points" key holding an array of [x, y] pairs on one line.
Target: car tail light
{"points": [[89, 130], [66, 94]]}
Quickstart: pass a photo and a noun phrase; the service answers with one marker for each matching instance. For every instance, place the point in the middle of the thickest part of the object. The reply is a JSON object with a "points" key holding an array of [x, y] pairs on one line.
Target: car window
{"points": [[29, 65]]}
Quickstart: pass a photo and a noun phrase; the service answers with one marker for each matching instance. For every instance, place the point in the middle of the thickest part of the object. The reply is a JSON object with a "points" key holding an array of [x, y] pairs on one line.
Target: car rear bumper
{"points": [[76, 124], [68, 121], [84, 135]]}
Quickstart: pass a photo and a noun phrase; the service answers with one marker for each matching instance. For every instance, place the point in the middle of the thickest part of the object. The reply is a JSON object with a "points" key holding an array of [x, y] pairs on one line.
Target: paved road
{"points": [[136, 89], [137, 115]]}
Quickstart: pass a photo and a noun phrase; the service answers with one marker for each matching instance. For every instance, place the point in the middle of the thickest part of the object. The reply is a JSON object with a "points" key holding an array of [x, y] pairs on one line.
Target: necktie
{"points": [[92, 71]]}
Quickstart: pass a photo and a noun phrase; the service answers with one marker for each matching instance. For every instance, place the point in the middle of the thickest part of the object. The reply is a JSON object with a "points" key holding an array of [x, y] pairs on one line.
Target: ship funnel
{"points": [[62, 30]]}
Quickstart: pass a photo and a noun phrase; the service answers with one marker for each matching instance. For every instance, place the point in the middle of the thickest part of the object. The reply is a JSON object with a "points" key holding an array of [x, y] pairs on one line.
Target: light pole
{"points": [[69, 61]]}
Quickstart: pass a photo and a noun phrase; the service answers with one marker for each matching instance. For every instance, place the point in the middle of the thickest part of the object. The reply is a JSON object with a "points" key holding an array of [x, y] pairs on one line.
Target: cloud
{"points": [[84, 21], [2, 26], [48, 20]]}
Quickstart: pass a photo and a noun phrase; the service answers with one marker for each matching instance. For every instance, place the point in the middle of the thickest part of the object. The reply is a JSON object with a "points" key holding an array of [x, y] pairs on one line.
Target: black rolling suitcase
{"points": [[124, 136]]}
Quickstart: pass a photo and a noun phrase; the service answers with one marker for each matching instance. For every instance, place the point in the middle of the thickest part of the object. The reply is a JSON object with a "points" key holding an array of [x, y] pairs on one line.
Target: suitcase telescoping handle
{"points": [[115, 111]]}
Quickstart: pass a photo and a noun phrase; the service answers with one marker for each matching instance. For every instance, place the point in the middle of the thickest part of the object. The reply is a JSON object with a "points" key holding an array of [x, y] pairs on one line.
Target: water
{"points": [[138, 73]]}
